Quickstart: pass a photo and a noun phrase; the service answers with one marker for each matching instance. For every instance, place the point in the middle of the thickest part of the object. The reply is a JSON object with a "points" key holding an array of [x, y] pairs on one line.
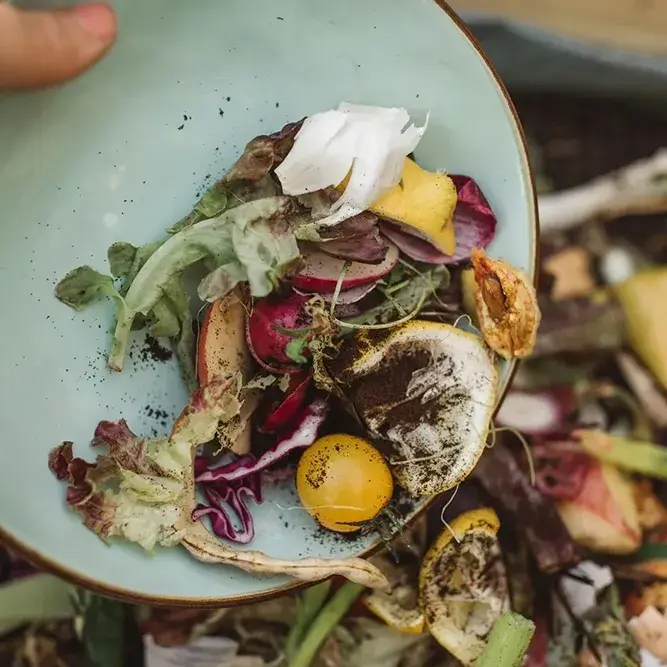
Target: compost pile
{"points": [[564, 519]]}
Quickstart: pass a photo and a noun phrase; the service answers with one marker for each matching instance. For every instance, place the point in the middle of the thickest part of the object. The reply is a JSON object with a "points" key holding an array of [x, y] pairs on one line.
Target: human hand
{"points": [[41, 48]]}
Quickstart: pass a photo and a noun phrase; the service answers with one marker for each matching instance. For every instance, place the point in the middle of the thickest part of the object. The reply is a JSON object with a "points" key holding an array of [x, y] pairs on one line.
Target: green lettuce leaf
{"points": [[255, 236], [121, 257], [83, 286], [404, 297]]}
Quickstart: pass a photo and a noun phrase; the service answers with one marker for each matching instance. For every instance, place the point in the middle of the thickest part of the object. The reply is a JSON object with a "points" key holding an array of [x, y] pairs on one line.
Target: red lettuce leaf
{"points": [[474, 220], [124, 447], [139, 487], [413, 246], [353, 228], [263, 154], [356, 239], [367, 249], [84, 494], [301, 436]]}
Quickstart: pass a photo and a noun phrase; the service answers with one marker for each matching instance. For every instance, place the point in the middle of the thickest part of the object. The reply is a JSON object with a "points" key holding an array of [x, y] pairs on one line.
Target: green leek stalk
{"points": [[310, 603], [633, 456], [325, 622], [508, 642]]}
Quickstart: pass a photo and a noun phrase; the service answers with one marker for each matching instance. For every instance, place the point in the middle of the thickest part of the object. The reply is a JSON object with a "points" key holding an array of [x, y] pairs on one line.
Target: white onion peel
{"points": [[367, 143]]}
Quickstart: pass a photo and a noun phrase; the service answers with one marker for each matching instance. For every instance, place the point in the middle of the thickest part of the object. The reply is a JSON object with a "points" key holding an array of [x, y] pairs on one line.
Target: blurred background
{"points": [[589, 80]]}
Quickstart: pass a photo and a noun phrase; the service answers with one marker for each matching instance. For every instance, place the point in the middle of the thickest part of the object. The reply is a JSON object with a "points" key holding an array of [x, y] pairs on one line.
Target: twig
{"points": [[641, 187], [643, 386]]}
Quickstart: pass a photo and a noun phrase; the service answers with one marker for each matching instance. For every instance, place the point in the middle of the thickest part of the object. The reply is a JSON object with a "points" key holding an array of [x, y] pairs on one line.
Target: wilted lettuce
{"points": [[251, 243]]}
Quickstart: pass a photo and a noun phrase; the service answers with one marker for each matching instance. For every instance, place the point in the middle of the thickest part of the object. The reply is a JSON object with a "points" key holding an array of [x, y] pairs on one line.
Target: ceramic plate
{"points": [[122, 153]]}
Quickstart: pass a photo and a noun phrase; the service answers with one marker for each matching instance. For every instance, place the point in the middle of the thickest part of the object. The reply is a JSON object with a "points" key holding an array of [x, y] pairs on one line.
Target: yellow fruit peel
{"points": [[405, 384], [424, 201], [643, 298], [463, 587], [506, 306], [388, 609]]}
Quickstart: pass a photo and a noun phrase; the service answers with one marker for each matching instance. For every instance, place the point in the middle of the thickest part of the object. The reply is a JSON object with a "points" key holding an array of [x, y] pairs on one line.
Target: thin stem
{"points": [[310, 604]]}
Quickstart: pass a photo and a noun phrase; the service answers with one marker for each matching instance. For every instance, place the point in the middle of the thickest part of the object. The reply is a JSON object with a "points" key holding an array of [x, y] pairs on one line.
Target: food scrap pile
{"points": [[335, 274], [562, 520]]}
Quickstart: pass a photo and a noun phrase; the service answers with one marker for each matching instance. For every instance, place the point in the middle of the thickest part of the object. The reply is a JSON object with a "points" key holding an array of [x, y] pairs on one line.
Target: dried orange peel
{"points": [[408, 620], [463, 587]]}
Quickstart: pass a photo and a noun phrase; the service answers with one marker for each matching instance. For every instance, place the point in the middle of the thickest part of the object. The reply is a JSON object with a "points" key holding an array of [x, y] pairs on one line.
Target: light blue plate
{"points": [[122, 153]]}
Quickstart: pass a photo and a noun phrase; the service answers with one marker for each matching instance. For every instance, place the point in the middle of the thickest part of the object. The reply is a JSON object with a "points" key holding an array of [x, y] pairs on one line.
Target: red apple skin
{"points": [[222, 348], [320, 272]]}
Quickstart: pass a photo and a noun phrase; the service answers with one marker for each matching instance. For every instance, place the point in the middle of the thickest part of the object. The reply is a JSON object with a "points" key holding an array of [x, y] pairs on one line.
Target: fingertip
{"points": [[98, 20], [41, 48]]}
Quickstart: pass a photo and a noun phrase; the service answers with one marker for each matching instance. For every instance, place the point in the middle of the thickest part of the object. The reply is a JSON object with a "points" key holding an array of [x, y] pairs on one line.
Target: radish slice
{"points": [[282, 416], [413, 246], [265, 340], [539, 413], [321, 272], [347, 296]]}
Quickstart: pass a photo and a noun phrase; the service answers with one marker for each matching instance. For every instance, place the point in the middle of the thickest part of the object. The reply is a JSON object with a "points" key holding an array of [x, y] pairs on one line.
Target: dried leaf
{"points": [[202, 652], [580, 325], [380, 646], [571, 269], [643, 386], [547, 537]]}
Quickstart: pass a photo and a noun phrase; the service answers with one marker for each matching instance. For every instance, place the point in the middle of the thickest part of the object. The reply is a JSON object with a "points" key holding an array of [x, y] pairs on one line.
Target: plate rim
{"points": [[74, 577]]}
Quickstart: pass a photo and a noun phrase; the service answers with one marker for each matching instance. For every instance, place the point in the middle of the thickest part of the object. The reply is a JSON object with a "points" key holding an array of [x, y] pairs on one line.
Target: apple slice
{"points": [[320, 272], [222, 349]]}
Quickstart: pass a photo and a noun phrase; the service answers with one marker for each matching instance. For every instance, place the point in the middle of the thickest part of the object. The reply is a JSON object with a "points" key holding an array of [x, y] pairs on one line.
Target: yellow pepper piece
{"points": [[425, 201], [643, 298]]}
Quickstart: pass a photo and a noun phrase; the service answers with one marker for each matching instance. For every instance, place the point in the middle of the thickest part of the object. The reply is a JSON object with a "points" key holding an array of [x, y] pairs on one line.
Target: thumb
{"points": [[39, 48]]}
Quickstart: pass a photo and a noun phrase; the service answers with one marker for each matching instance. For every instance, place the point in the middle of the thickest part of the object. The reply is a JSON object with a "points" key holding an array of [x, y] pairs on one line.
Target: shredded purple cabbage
{"points": [[233, 495], [302, 435]]}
